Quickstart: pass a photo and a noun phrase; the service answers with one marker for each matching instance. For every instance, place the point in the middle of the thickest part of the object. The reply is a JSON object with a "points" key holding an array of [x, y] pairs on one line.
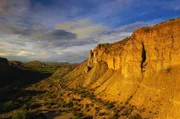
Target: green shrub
{"points": [[9, 105], [21, 114], [25, 107], [87, 105], [75, 118], [88, 117], [115, 116], [70, 104], [97, 109], [128, 111], [168, 69], [137, 116], [102, 114], [110, 105]]}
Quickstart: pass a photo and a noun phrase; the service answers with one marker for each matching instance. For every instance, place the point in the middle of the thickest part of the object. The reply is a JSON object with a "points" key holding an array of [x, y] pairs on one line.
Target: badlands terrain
{"points": [[135, 78]]}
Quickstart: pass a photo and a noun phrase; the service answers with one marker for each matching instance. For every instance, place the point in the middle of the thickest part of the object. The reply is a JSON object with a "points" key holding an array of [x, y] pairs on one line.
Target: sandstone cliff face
{"points": [[109, 53], [148, 50], [143, 69]]}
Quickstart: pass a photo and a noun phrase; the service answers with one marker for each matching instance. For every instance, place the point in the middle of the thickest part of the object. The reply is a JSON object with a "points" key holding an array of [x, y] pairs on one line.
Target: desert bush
{"points": [[142, 110], [102, 114], [171, 19], [69, 104], [34, 105], [115, 116], [79, 115], [75, 118], [21, 114], [146, 29], [9, 105], [92, 97], [168, 69], [122, 108], [97, 109], [110, 105], [87, 105], [129, 98], [128, 111], [87, 117], [77, 109], [25, 107], [137, 116]]}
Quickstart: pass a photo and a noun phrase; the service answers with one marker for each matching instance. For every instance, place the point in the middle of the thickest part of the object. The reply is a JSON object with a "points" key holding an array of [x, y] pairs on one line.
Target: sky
{"points": [[66, 30]]}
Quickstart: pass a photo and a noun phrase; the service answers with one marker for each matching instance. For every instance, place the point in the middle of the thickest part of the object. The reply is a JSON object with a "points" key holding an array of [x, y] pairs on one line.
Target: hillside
{"points": [[143, 70], [20, 83], [135, 78]]}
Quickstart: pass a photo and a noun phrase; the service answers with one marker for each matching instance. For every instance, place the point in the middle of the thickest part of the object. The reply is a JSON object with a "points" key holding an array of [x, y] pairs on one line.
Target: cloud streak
{"points": [[65, 30], [83, 28]]}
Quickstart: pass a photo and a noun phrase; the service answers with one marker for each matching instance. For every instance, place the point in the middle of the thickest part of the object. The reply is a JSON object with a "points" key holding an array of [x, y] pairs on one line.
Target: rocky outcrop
{"points": [[143, 69], [148, 50]]}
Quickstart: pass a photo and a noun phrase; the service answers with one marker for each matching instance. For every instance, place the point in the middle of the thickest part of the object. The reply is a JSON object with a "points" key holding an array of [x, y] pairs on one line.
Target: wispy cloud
{"points": [[55, 30], [83, 28], [177, 8]]}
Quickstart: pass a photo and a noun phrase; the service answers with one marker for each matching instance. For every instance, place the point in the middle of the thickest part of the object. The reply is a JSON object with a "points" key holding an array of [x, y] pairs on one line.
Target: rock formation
{"points": [[143, 69], [148, 50]]}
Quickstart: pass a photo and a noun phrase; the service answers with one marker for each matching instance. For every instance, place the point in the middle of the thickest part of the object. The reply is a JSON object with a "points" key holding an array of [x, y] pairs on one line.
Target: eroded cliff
{"points": [[143, 69], [149, 50]]}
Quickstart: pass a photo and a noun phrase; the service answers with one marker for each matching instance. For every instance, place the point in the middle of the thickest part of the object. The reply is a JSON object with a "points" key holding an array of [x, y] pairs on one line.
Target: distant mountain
{"points": [[34, 63], [13, 71]]}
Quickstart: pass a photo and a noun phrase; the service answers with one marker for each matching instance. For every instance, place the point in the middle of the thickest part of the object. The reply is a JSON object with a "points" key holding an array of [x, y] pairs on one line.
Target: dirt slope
{"points": [[143, 69]]}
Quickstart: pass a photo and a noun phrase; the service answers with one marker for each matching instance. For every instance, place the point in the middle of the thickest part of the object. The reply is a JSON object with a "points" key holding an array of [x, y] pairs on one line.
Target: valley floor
{"points": [[50, 98]]}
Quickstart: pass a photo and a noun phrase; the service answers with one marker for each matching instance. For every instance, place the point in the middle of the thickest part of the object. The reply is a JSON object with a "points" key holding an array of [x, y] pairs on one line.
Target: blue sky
{"points": [[65, 30]]}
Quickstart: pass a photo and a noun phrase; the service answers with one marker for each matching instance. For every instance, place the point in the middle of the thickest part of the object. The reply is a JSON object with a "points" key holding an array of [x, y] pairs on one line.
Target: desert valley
{"points": [[134, 78]]}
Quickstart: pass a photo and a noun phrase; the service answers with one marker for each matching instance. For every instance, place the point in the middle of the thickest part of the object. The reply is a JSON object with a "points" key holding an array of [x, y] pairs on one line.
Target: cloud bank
{"points": [[65, 30]]}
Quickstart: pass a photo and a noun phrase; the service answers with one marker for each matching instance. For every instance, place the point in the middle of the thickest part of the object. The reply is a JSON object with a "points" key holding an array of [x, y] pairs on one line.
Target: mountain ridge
{"points": [[137, 69]]}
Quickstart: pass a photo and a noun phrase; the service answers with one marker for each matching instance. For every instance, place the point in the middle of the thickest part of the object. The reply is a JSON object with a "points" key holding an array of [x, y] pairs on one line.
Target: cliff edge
{"points": [[143, 69]]}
